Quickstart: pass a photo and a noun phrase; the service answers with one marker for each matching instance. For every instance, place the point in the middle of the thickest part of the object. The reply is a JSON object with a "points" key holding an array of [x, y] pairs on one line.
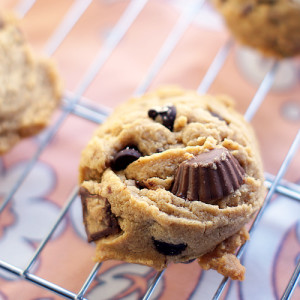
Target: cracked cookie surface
{"points": [[271, 26], [30, 86], [152, 224]]}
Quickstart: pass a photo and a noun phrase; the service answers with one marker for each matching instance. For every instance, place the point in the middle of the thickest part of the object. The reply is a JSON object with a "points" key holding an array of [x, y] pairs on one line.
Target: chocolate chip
{"points": [[152, 113], [167, 248], [124, 158], [247, 9], [164, 115], [208, 177], [98, 219], [214, 114], [159, 150], [139, 185]]}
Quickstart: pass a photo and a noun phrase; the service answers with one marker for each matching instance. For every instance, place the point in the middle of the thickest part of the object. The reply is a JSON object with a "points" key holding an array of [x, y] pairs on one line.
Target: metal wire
{"points": [[172, 40], [261, 93], [37, 280], [79, 107], [23, 7], [126, 20], [292, 283], [85, 112], [53, 228], [215, 67], [88, 281], [70, 19], [153, 284], [285, 188]]}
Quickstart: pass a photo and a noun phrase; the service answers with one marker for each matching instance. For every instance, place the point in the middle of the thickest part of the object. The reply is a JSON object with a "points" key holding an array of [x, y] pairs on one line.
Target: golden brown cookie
{"points": [[169, 177], [271, 26], [30, 87]]}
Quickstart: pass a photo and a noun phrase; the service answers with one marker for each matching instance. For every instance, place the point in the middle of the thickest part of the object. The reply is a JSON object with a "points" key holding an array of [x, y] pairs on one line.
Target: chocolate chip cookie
{"points": [[271, 26], [30, 86], [169, 177]]}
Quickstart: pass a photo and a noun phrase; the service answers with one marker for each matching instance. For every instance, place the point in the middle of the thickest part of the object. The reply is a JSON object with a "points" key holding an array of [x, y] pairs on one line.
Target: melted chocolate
{"points": [[167, 248], [165, 115], [106, 222]]}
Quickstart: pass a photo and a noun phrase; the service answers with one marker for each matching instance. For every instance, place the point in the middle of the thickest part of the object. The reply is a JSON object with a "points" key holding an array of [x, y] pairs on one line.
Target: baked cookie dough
{"points": [[271, 26], [169, 177], [30, 87]]}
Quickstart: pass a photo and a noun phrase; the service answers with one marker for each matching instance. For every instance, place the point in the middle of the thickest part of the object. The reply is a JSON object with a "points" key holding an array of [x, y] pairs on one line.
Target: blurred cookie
{"points": [[30, 86], [169, 177], [271, 26]]}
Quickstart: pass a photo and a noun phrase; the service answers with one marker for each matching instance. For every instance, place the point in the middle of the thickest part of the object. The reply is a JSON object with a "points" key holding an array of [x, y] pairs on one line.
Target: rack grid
{"points": [[75, 103]]}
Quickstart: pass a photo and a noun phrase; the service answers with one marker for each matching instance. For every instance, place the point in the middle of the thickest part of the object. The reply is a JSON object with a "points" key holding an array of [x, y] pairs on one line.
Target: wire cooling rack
{"points": [[74, 103]]}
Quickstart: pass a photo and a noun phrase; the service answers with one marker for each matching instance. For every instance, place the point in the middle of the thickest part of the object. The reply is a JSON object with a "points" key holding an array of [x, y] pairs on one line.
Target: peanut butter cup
{"points": [[208, 177], [98, 222]]}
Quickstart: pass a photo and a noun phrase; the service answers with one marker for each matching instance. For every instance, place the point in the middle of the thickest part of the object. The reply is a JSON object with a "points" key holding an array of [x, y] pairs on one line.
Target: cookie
{"points": [[271, 26], [169, 177], [30, 86]]}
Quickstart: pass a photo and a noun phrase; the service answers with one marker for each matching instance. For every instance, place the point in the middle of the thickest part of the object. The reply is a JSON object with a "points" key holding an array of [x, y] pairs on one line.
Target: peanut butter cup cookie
{"points": [[30, 88], [271, 26], [169, 177]]}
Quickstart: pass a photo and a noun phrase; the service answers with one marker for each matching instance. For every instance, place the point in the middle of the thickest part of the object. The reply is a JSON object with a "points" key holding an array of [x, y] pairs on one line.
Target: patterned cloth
{"points": [[274, 249]]}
